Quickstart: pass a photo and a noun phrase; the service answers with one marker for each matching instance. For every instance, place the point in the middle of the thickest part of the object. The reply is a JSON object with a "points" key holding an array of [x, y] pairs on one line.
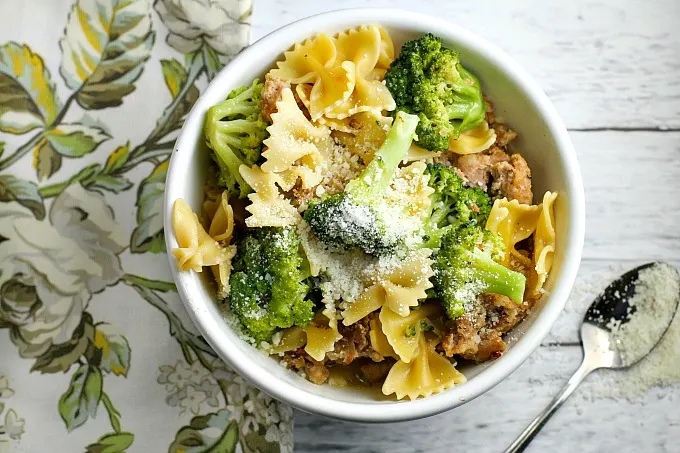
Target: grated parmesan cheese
{"points": [[649, 310], [344, 270], [341, 167], [658, 369], [655, 299]]}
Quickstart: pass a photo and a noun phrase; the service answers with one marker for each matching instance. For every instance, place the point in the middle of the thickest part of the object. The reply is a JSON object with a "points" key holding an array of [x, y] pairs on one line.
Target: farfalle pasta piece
{"points": [[370, 300], [303, 92], [320, 340], [364, 47], [379, 341], [222, 271], [222, 222], [289, 339], [544, 242], [367, 96], [514, 222], [386, 54], [295, 147], [416, 153], [428, 373], [404, 332], [316, 61], [196, 248], [315, 251], [399, 289], [303, 63], [409, 189], [222, 229], [406, 284], [474, 140], [211, 199], [344, 72], [362, 134], [268, 205], [322, 334]]}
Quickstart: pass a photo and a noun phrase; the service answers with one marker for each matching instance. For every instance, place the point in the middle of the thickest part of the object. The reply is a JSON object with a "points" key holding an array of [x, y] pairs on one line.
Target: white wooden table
{"points": [[612, 69]]}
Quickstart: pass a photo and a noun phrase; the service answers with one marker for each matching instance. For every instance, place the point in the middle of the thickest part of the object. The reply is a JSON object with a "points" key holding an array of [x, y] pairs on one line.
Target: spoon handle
{"points": [[535, 426]]}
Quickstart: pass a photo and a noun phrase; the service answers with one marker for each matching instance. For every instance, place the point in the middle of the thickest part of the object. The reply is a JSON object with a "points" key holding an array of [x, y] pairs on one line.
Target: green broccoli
{"points": [[453, 203], [354, 218], [427, 79], [268, 288], [494, 245], [235, 130], [465, 267]]}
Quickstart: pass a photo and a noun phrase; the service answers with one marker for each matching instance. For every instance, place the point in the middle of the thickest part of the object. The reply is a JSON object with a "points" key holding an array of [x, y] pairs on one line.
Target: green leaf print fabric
{"points": [[97, 353]]}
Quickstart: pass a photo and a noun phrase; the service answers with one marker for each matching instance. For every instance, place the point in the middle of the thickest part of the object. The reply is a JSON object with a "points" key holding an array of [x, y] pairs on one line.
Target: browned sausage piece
{"points": [[271, 94], [476, 168], [512, 180], [491, 346], [375, 372], [461, 336], [316, 371]]}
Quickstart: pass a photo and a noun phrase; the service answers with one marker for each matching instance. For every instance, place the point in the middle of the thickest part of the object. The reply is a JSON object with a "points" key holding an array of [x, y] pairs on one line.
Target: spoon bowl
{"points": [[611, 310], [647, 296]]}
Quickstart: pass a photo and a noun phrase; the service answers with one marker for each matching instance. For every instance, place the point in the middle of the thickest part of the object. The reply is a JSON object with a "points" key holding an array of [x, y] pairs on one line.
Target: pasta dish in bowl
{"points": [[367, 207]]}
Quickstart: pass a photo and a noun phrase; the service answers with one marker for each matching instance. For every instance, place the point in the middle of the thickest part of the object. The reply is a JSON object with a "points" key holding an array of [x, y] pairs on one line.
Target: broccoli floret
{"points": [[352, 218], [268, 288], [234, 130], [453, 203], [427, 79], [494, 245], [465, 267]]}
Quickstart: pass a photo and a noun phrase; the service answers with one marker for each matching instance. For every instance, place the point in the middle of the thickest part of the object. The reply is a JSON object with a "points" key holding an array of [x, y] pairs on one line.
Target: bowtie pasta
{"points": [[367, 221]]}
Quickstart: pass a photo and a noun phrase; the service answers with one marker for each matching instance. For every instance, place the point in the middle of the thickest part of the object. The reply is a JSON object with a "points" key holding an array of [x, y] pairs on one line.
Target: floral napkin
{"points": [[96, 351]]}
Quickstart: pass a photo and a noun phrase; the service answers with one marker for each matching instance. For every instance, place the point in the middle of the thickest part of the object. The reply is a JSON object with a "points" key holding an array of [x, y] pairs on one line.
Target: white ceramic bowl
{"points": [[543, 141]]}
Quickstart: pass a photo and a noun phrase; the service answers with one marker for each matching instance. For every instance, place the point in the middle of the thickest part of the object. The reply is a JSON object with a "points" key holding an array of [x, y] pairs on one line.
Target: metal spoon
{"points": [[600, 349]]}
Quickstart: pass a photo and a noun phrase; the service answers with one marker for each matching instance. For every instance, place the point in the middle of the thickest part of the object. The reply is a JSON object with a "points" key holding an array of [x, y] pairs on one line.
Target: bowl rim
{"points": [[378, 412]]}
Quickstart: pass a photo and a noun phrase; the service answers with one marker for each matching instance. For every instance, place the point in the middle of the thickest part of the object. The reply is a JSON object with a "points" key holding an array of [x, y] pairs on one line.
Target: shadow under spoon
{"points": [[621, 326]]}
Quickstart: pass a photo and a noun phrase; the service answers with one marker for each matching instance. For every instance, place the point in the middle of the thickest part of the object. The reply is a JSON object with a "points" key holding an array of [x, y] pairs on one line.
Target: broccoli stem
{"points": [[229, 140], [433, 237], [231, 109], [237, 127], [241, 104], [227, 158], [235, 132], [495, 278], [439, 215], [378, 173], [457, 111], [469, 106]]}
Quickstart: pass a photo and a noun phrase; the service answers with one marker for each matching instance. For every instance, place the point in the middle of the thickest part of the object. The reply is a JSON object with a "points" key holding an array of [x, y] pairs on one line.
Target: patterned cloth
{"points": [[96, 351]]}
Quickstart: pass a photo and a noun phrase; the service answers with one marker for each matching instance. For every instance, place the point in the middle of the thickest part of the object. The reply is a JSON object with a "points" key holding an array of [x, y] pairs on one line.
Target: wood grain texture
{"points": [[630, 181], [613, 68], [604, 63], [488, 424]]}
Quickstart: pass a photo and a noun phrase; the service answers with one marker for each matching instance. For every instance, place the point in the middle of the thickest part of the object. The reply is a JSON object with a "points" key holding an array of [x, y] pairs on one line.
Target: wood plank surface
{"points": [[630, 180], [586, 423], [604, 63]]}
